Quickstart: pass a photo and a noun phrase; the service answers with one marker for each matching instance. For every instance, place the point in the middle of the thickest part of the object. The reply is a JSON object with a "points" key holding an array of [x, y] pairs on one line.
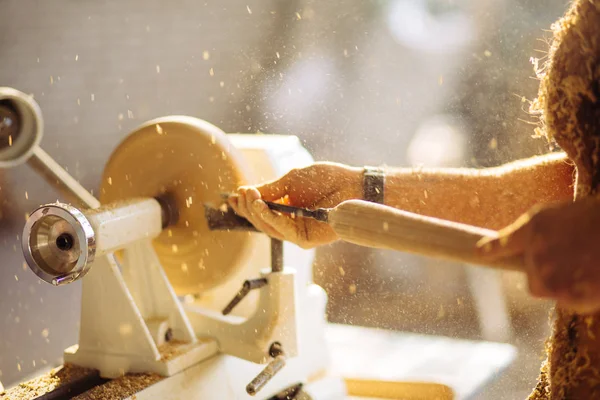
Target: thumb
{"points": [[274, 190]]}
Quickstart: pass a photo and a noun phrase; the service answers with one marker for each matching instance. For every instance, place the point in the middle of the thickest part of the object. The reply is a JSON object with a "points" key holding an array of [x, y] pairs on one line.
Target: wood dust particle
{"points": [[205, 55], [493, 144], [352, 288], [441, 312], [159, 129], [298, 16], [249, 10], [45, 333], [211, 72]]}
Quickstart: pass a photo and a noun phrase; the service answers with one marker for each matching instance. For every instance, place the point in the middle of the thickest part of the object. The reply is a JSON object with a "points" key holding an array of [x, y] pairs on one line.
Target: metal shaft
{"points": [[249, 285], [276, 255], [56, 176], [266, 375]]}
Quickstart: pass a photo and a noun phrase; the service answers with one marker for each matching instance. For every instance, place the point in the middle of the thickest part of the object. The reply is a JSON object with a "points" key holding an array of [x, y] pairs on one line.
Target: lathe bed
{"points": [[465, 366]]}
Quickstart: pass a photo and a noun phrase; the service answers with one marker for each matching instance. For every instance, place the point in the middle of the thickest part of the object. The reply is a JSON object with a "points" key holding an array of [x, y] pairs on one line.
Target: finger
{"points": [[257, 220], [246, 204], [233, 202], [283, 224], [508, 243], [240, 203], [251, 196]]}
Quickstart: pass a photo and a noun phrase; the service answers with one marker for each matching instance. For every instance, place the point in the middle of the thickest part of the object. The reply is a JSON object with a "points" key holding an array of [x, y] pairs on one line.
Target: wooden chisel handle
{"points": [[375, 225]]}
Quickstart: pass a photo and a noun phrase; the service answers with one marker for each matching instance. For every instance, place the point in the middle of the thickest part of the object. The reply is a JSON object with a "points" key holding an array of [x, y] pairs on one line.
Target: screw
{"points": [[168, 335]]}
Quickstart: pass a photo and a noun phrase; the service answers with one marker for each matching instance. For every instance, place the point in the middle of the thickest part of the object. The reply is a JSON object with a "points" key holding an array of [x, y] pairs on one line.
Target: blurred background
{"points": [[397, 82]]}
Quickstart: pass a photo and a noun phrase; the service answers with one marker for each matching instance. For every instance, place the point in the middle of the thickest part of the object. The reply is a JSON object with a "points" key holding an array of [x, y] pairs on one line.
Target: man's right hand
{"points": [[320, 185]]}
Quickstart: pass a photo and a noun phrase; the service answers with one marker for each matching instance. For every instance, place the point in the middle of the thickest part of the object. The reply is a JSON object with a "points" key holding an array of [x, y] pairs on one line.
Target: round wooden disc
{"points": [[192, 162]]}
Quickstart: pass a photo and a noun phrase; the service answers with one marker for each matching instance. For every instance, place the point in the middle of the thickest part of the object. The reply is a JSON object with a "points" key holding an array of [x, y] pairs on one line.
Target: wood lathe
{"points": [[157, 281]]}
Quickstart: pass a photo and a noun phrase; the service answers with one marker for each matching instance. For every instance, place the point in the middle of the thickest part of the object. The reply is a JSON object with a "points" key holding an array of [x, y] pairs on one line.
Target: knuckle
{"points": [[294, 172]]}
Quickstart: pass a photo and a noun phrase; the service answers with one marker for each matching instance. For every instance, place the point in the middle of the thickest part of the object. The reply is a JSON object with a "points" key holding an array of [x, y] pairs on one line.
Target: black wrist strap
{"points": [[373, 184]]}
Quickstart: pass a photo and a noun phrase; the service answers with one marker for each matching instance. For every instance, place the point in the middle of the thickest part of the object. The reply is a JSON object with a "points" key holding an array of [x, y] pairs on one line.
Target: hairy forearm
{"points": [[491, 198]]}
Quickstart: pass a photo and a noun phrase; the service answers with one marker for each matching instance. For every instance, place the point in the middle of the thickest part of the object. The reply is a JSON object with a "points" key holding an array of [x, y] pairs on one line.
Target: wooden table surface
{"points": [[463, 365]]}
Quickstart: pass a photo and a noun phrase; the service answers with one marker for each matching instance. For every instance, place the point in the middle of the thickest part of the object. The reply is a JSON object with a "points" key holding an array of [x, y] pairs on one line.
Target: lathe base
{"points": [[219, 377]]}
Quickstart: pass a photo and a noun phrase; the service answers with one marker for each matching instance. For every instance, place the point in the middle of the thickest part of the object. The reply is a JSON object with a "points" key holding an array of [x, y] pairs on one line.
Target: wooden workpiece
{"points": [[192, 163]]}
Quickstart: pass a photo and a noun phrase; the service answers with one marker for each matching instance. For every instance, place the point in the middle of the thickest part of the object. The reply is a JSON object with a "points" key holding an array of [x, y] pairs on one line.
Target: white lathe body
{"points": [[161, 290]]}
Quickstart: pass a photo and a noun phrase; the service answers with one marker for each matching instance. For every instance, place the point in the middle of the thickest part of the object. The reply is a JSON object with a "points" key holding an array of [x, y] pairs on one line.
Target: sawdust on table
{"points": [[46, 383], [171, 349], [568, 105], [116, 389], [120, 388]]}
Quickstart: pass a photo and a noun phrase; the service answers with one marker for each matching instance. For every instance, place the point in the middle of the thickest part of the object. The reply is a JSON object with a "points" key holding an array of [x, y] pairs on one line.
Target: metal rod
{"points": [[276, 255], [248, 285], [265, 375], [56, 176]]}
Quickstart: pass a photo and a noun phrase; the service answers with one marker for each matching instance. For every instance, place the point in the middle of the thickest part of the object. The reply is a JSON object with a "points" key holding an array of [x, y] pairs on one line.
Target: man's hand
{"points": [[561, 247], [318, 185]]}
